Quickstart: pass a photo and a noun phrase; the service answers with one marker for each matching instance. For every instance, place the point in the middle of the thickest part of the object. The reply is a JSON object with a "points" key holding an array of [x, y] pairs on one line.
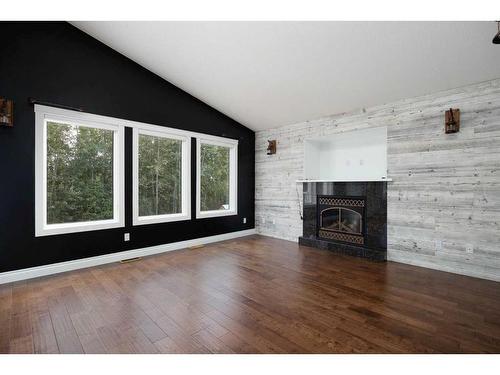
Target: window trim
{"points": [[44, 114], [232, 144], [159, 131]]}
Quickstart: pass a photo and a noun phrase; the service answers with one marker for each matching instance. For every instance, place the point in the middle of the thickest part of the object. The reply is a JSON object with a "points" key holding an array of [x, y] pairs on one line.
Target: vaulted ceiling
{"points": [[269, 74]]}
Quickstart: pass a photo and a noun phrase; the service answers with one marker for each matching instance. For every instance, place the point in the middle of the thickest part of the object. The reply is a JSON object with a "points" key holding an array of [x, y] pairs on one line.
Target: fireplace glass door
{"points": [[341, 218]]}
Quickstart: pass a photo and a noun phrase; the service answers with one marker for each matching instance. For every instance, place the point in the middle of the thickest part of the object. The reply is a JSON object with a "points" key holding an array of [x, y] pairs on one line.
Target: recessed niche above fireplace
{"points": [[359, 155]]}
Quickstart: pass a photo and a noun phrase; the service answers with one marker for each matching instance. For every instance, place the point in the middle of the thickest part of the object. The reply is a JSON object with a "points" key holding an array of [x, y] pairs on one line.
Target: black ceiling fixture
{"points": [[496, 39]]}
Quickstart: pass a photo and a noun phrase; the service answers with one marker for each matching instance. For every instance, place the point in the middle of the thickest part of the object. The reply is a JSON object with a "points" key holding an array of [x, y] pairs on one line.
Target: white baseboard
{"points": [[391, 257], [50, 269], [272, 235]]}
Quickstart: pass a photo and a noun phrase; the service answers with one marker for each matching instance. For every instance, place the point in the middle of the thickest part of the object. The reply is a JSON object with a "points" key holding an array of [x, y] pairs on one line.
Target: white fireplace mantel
{"points": [[351, 180]]}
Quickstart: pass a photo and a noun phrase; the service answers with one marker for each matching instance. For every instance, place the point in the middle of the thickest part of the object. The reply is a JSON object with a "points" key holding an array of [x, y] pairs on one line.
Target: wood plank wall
{"points": [[446, 190]]}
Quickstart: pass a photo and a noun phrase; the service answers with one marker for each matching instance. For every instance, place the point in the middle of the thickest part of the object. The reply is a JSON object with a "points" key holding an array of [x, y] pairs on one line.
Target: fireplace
{"points": [[348, 218], [341, 218]]}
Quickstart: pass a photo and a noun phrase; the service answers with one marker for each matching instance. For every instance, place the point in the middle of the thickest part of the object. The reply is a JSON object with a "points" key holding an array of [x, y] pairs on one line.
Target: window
{"points": [[161, 174], [79, 172], [216, 177]]}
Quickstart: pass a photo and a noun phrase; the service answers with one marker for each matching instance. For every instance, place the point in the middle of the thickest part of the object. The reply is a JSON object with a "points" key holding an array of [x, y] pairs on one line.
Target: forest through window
{"points": [[214, 179], [79, 173], [160, 175]]}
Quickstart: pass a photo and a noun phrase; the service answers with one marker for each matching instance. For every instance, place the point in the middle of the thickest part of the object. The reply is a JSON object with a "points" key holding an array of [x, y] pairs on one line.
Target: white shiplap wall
{"points": [[445, 193]]}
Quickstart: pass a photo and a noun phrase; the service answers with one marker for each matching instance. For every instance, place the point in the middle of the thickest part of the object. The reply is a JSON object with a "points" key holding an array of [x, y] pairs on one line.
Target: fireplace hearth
{"points": [[346, 217]]}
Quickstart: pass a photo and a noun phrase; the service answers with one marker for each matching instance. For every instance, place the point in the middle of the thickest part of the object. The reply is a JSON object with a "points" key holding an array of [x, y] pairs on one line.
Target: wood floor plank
{"points": [[211, 342], [86, 329], [251, 295], [182, 340], [44, 338], [22, 345], [66, 336], [168, 345], [5, 314]]}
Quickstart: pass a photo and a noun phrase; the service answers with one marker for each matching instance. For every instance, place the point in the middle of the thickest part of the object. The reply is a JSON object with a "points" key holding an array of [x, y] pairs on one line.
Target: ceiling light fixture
{"points": [[496, 39]]}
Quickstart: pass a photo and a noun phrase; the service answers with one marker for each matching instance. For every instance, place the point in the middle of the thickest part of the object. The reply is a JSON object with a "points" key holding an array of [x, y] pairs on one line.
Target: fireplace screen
{"points": [[341, 218]]}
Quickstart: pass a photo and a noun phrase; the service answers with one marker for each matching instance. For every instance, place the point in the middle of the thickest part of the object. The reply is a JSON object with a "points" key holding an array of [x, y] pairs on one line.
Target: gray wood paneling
{"points": [[445, 193]]}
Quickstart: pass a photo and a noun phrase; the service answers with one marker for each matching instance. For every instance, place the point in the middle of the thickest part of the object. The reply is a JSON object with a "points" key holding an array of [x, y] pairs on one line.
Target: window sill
{"points": [[145, 220], [55, 229], [215, 213]]}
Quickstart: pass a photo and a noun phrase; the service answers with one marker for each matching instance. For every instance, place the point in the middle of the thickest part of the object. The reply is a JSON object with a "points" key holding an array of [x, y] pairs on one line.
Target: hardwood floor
{"points": [[251, 295]]}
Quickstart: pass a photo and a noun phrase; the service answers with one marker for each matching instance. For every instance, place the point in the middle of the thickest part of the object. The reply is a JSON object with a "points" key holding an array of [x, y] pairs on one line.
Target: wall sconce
{"points": [[6, 112], [452, 121], [271, 147], [496, 38]]}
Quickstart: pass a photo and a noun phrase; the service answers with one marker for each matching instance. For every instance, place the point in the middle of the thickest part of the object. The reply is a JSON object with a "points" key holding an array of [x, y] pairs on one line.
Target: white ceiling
{"points": [[269, 74]]}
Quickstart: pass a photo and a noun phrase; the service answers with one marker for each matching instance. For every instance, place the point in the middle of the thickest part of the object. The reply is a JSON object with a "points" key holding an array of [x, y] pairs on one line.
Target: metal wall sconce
{"points": [[271, 147], [6, 112], [452, 121], [496, 38]]}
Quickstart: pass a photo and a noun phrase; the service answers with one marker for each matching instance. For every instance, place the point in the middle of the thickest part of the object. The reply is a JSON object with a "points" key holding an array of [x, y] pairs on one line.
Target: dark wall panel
{"points": [[55, 62]]}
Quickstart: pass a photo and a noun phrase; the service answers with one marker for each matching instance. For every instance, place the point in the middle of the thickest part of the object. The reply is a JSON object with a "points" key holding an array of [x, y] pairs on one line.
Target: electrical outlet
{"points": [[439, 245], [274, 221], [126, 237], [469, 248], [244, 220], [263, 220]]}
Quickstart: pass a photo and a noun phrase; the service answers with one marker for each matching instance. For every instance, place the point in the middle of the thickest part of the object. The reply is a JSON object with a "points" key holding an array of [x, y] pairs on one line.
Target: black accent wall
{"points": [[56, 62]]}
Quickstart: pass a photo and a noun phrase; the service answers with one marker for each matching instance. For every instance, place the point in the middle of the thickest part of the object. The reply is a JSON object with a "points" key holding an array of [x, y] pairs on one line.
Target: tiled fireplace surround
{"points": [[375, 227]]}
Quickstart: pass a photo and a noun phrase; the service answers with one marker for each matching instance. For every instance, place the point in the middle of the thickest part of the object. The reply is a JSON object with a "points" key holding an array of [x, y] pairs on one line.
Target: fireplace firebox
{"points": [[341, 218]]}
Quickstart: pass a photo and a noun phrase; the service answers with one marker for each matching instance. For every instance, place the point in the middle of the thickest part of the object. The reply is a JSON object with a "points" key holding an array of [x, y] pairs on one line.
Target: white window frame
{"points": [[233, 176], [159, 131], [44, 114]]}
